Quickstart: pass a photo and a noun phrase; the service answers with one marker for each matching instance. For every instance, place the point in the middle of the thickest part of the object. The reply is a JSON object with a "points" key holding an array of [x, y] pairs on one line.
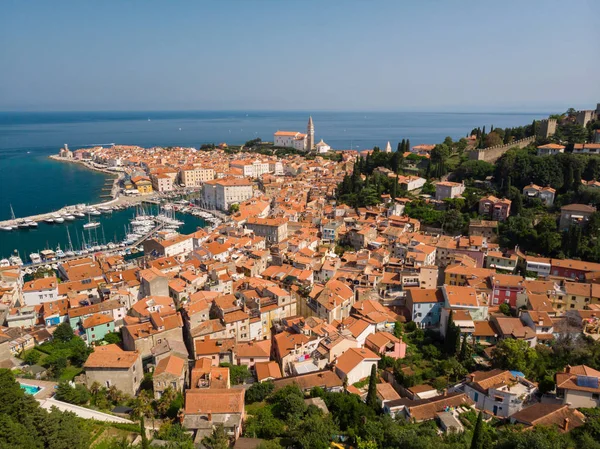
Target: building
{"points": [[579, 386], [424, 306], [322, 147], [325, 379], [586, 148], [40, 291], [222, 193], [506, 288], [575, 214], [142, 184], [499, 392], [545, 194], [110, 366], [550, 149], [494, 208], [484, 228], [559, 416], [355, 364], [162, 183], [170, 372], [195, 176], [254, 169], [274, 230], [386, 344], [172, 246], [310, 135], [206, 408], [546, 128], [447, 189], [97, 326]]}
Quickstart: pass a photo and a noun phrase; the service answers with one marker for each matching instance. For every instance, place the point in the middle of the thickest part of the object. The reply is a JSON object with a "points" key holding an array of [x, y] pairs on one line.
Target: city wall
{"points": [[492, 154]]}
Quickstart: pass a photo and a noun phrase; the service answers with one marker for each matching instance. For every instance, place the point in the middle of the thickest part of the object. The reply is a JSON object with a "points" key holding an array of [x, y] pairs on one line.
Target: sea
{"points": [[31, 183]]}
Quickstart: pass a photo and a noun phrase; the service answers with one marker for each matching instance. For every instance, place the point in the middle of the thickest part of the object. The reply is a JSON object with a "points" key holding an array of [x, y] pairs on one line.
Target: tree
{"points": [[477, 439], [113, 338], [145, 443], [31, 357], [259, 391], [78, 394], [505, 309], [465, 350], [372, 394], [217, 439], [515, 355], [314, 432], [63, 332], [234, 208]]}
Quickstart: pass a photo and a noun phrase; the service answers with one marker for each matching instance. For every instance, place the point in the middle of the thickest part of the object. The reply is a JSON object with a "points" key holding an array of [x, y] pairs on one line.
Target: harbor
{"points": [[82, 230]]}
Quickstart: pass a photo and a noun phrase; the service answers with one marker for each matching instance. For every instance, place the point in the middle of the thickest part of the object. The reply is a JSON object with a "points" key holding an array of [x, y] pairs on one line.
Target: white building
{"points": [[222, 193], [355, 364], [290, 139], [40, 291], [322, 147], [276, 167], [550, 149], [252, 169]]}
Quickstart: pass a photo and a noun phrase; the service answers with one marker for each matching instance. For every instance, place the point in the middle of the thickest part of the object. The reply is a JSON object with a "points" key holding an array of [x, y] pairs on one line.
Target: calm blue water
{"points": [[33, 184], [113, 227]]}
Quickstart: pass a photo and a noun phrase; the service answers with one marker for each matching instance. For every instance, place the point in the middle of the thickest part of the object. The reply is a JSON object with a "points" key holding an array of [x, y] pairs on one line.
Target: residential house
{"points": [[575, 214], [578, 386], [494, 208], [109, 366], [499, 392], [170, 372], [424, 306], [355, 364]]}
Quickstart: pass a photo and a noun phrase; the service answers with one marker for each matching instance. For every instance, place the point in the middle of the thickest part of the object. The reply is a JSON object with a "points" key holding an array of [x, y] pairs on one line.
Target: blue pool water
{"points": [[30, 389]]}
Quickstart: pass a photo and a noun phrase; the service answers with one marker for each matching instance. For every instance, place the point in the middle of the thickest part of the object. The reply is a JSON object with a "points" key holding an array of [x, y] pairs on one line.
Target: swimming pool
{"points": [[31, 389]]}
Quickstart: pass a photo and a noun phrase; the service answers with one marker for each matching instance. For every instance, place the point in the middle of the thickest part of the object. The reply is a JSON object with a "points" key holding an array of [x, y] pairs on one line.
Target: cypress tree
{"points": [[477, 440], [407, 145], [400, 146], [464, 350], [449, 341], [395, 188], [372, 394], [145, 444]]}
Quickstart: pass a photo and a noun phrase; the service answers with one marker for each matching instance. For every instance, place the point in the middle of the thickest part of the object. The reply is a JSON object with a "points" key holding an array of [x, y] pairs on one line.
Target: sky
{"points": [[427, 55]]}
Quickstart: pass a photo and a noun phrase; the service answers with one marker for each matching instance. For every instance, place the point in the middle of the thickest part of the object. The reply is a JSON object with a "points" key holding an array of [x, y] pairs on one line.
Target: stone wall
{"points": [[492, 154]]}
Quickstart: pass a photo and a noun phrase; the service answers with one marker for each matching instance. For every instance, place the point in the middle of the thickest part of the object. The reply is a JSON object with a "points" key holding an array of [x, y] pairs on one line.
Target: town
{"points": [[411, 296]]}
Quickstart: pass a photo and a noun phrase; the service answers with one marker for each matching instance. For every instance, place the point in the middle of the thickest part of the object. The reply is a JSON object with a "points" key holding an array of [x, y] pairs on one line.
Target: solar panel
{"points": [[587, 381]]}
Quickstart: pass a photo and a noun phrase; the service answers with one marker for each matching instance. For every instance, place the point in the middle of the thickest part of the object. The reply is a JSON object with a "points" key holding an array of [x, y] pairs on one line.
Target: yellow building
{"points": [[142, 184]]}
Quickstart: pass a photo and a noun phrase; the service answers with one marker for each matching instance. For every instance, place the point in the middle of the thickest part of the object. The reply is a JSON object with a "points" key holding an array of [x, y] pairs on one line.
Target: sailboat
{"points": [[91, 224], [69, 252]]}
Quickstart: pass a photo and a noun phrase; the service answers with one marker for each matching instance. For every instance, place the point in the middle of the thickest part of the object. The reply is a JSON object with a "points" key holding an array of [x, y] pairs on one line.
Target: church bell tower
{"points": [[310, 135]]}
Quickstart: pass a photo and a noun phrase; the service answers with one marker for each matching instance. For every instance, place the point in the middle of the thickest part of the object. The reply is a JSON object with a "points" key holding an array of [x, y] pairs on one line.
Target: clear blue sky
{"points": [[464, 55]]}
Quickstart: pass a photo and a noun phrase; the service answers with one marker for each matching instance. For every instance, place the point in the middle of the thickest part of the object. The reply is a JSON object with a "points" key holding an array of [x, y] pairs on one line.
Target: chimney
{"points": [[566, 424], [445, 392], [472, 376]]}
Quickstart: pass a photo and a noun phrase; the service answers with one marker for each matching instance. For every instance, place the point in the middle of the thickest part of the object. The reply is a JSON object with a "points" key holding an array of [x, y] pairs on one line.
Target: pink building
{"points": [[384, 343]]}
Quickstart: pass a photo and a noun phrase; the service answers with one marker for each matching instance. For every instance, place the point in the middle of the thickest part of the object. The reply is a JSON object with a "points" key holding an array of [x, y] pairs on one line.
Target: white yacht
{"points": [[91, 225], [31, 223], [79, 214], [35, 258], [69, 217], [15, 259], [49, 220], [95, 212], [6, 228]]}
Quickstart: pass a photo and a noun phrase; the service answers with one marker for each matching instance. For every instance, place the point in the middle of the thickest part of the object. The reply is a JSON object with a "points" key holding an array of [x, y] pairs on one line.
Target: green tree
{"points": [[505, 309], [78, 394], [477, 439], [234, 208], [145, 442], [113, 338], [515, 355], [217, 439], [259, 391], [372, 394], [31, 357], [63, 332]]}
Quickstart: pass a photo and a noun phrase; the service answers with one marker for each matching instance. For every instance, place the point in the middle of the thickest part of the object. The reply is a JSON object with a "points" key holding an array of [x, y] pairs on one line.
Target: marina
{"points": [[114, 229]]}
